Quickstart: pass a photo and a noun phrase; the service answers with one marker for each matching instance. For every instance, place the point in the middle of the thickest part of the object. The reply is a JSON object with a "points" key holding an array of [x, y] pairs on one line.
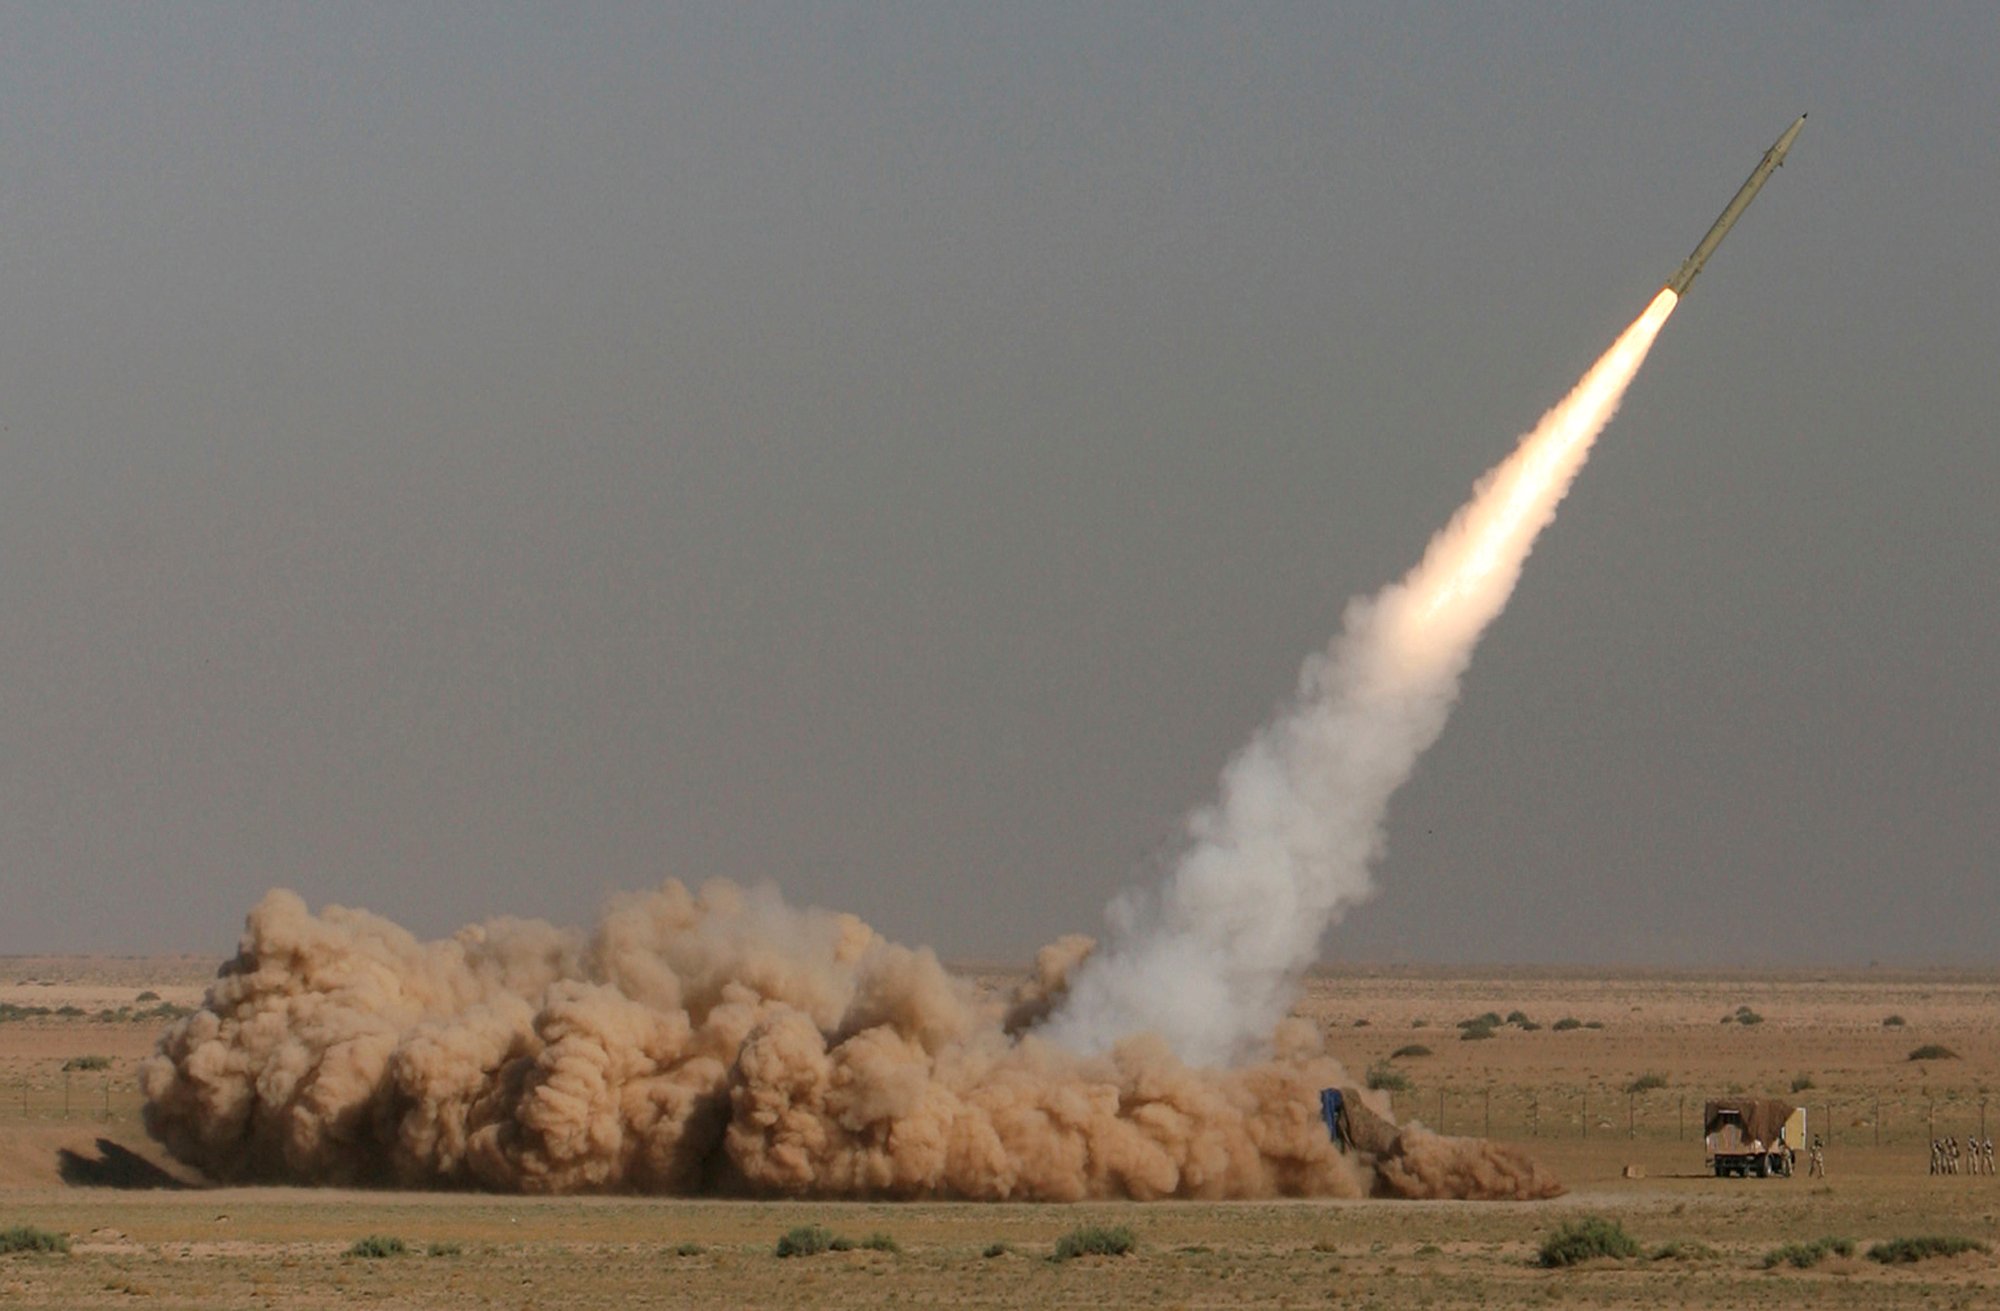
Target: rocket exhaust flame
{"points": [[1210, 962]]}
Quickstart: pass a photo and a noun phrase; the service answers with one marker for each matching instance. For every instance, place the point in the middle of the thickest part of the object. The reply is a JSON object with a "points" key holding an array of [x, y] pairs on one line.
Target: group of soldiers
{"points": [[1946, 1157]]}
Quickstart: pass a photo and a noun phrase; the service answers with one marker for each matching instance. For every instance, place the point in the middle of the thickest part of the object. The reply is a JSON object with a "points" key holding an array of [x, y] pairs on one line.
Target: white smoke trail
{"points": [[1210, 961]]}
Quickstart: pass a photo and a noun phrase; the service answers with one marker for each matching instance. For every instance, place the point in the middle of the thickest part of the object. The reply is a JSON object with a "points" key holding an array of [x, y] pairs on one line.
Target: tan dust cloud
{"points": [[720, 1041]]}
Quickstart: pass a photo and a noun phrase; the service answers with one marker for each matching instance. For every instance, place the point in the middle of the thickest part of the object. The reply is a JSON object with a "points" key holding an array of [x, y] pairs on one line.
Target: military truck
{"points": [[1752, 1135]]}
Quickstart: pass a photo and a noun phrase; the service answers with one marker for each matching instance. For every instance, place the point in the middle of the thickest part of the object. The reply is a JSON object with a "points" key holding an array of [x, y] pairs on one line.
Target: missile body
{"points": [[1741, 201]]}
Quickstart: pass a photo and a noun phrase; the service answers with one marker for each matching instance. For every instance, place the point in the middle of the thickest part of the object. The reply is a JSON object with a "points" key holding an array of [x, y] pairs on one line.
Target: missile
{"points": [[1773, 157]]}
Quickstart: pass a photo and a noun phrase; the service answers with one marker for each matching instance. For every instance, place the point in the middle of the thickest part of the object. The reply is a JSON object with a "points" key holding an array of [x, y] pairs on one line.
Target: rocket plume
{"points": [[1210, 961], [721, 1041]]}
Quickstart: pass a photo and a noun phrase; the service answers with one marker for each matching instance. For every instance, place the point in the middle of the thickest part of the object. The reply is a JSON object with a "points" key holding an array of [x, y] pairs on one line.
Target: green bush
{"points": [[1566, 1023], [378, 1245], [27, 1238], [1383, 1079], [1518, 1017], [1801, 1082], [1807, 1255], [998, 1249], [1593, 1024], [1361, 1024], [1409, 1049], [1587, 1239], [1646, 1083], [1094, 1240], [689, 1249], [1474, 1034], [1744, 1015], [1903, 1250], [87, 1063], [806, 1240], [1892, 1021], [1933, 1051], [881, 1242], [444, 1249], [147, 995]]}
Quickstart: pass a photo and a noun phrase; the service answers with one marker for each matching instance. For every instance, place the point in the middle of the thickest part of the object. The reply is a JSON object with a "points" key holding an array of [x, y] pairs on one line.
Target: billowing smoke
{"points": [[717, 1041], [723, 1041], [1210, 961]]}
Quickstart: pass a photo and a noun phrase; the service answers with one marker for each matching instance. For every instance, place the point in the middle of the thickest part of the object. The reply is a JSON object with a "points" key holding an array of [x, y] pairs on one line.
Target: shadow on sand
{"points": [[114, 1166]]}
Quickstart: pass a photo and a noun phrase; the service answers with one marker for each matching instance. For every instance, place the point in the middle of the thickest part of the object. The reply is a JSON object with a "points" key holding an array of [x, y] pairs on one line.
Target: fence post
{"points": [[1631, 1115], [1583, 1106], [1878, 1119], [1534, 1114], [1681, 1118], [1440, 1110], [1489, 1112]]}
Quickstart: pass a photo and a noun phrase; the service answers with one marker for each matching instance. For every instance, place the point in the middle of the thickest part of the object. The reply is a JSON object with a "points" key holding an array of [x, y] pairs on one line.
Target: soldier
{"points": [[1986, 1149], [1816, 1163], [1951, 1153], [1937, 1156]]}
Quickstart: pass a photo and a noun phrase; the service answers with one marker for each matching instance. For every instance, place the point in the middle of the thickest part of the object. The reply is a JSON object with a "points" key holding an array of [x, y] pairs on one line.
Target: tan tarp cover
{"points": [[1763, 1117]]}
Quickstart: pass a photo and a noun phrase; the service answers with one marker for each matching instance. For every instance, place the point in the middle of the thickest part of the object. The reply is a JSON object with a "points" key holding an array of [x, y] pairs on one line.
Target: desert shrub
{"points": [[1933, 1051], [1383, 1079], [1683, 1249], [998, 1249], [27, 1238], [1587, 1239], [881, 1242], [1361, 1024], [840, 1243], [1491, 1019], [1892, 1021], [1566, 1023], [1744, 1015], [87, 1063], [689, 1249], [1409, 1049], [1420, 1023], [1646, 1083], [378, 1245], [1801, 1082], [1474, 1034], [1517, 1017], [1902, 1250], [1529, 1026], [68, 1012], [1593, 1024], [444, 1249], [147, 995], [1807, 1255], [1094, 1240], [806, 1240]]}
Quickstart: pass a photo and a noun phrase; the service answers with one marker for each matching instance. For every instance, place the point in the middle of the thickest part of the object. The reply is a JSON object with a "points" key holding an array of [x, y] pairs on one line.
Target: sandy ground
{"points": [[140, 1236]]}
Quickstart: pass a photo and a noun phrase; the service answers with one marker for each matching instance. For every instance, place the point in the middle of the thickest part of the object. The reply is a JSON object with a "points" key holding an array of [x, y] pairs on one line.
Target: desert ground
{"points": [[1611, 1102]]}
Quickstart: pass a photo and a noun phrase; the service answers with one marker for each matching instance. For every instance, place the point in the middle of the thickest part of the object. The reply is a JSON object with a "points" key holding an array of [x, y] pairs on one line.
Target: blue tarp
{"points": [[1330, 1108]]}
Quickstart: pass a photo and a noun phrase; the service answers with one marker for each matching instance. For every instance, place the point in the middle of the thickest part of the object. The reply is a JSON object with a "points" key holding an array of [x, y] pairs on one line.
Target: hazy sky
{"points": [[463, 460]]}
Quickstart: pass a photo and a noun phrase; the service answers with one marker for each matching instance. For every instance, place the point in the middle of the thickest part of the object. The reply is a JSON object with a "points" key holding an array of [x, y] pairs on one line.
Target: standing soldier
{"points": [[1987, 1150], [1937, 1156], [1951, 1153], [1816, 1164]]}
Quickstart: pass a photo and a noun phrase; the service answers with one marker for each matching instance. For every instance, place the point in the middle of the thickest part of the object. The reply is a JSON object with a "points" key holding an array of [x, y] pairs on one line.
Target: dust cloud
{"points": [[720, 1041]]}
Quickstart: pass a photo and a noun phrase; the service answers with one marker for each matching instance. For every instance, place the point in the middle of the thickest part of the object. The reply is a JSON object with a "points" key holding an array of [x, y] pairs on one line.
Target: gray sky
{"points": [[462, 460]]}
